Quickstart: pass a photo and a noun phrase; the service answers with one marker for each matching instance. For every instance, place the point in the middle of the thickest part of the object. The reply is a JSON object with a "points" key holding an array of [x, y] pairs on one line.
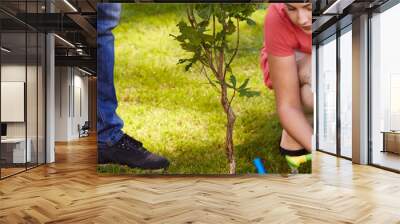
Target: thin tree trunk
{"points": [[230, 115]]}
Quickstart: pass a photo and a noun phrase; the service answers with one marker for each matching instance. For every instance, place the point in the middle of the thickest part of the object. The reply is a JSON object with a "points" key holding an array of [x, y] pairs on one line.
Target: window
{"points": [[346, 75], [327, 95], [385, 89], [22, 77]]}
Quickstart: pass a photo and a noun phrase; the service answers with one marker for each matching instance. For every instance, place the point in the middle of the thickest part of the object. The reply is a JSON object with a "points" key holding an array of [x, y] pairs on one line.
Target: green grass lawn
{"points": [[176, 113]]}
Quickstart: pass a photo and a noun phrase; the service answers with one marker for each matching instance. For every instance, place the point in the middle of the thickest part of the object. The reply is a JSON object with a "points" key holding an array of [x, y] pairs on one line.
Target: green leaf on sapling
{"points": [[233, 80], [250, 22], [244, 84]]}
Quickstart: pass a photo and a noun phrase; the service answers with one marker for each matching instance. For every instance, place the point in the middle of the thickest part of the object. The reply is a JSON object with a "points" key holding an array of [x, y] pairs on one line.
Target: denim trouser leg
{"points": [[109, 125]]}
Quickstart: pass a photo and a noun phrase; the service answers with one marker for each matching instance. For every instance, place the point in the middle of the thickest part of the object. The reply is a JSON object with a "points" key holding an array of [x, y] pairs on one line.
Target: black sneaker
{"points": [[130, 152]]}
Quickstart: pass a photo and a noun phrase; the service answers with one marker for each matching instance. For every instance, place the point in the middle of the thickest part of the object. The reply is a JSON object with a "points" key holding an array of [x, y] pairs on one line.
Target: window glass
{"points": [[327, 96], [385, 84], [15, 149], [346, 94]]}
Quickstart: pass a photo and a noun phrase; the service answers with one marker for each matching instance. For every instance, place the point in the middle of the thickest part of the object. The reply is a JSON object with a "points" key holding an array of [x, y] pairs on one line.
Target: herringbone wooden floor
{"points": [[70, 191]]}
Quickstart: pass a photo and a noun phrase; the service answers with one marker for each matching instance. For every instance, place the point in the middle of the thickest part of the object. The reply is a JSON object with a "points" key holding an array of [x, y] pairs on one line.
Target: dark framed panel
{"points": [[326, 64], [23, 60], [333, 33]]}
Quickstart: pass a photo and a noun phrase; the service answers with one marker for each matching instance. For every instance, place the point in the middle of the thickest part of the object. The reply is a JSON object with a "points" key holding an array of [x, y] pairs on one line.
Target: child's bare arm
{"points": [[286, 84]]}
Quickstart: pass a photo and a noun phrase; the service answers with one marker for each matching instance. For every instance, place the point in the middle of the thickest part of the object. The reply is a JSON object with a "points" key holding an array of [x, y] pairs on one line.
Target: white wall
{"points": [[12, 73], [33, 127], [50, 95], [61, 104], [71, 94], [80, 110], [16, 73]]}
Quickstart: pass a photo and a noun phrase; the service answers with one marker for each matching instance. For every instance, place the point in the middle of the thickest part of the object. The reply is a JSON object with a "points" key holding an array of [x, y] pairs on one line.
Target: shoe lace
{"points": [[127, 142]]}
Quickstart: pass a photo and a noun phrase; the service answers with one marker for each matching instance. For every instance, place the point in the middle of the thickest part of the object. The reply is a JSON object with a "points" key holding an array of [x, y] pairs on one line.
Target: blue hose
{"points": [[259, 165]]}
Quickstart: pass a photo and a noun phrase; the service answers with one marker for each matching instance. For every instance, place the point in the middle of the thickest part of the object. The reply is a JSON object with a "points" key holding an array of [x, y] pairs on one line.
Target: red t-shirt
{"points": [[281, 38]]}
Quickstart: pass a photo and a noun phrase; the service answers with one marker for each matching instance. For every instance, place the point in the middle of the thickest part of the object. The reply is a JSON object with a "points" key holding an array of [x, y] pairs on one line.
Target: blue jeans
{"points": [[109, 125]]}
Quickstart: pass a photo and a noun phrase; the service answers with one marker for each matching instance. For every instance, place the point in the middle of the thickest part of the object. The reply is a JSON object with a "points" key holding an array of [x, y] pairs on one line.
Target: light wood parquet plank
{"points": [[70, 191]]}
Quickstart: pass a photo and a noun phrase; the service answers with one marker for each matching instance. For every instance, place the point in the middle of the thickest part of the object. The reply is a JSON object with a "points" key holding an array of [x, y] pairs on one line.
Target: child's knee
{"points": [[304, 69], [307, 98]]}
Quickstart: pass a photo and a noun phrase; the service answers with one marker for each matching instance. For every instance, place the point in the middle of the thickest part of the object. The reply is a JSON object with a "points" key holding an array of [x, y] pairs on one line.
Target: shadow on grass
{"points": [[261, 136], [187, 159]]}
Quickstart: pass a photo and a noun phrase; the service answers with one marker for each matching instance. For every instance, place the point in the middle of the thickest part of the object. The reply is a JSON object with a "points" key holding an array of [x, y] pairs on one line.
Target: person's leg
{"points": [[288, 145], [294, 153], [109, 125], [114, 146]]}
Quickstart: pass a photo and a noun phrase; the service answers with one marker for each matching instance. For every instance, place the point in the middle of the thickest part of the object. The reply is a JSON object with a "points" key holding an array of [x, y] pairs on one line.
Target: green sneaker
{"points": [[295, 161]]}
